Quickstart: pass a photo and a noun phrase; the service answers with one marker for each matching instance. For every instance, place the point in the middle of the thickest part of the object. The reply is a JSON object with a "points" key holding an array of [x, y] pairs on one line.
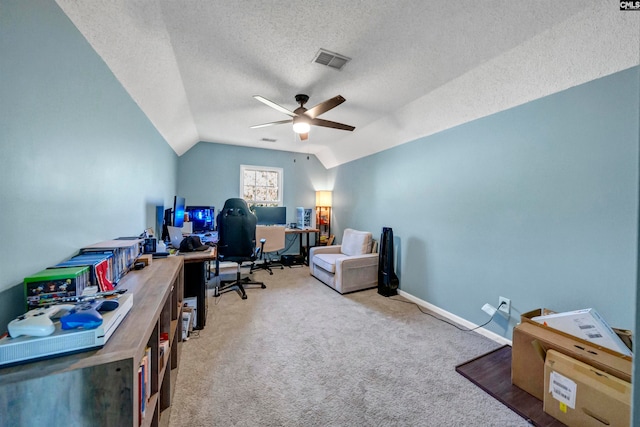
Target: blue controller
{"points": [[86, 315]]}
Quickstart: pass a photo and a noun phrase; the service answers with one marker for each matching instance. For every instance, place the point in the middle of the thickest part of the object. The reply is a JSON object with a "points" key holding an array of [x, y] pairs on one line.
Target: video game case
{"points": [[124, 253], [55, 283], [101, 268]]}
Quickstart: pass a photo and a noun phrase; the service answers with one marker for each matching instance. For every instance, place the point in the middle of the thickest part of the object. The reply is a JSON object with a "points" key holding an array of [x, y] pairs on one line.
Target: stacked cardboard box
{"points": [[532, 344], [580, 395]]}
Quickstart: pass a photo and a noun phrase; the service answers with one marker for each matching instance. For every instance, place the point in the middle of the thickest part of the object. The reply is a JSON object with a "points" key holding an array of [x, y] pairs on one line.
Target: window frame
{"points": [[279, 171]]}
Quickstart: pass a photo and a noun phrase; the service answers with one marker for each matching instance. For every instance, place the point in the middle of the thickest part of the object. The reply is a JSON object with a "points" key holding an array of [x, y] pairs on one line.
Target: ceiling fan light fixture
{"points": [[300, 126]]}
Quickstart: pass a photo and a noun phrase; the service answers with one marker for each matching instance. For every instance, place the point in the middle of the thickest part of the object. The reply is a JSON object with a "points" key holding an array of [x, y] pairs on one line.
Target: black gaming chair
{"points": [[236, 243]]}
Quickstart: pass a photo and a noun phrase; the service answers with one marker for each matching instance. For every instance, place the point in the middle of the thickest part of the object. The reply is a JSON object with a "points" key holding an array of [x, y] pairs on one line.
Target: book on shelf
{"points": [[141, 393], [144, 383], [163, 349], [147, 364]]}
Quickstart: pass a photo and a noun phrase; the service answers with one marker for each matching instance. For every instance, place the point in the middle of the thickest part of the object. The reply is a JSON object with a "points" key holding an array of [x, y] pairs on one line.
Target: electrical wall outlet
{"points": [[506, 307]]}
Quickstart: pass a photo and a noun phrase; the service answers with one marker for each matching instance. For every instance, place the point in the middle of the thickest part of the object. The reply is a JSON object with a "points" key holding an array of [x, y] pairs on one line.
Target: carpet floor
{"points": [[300, 354]]}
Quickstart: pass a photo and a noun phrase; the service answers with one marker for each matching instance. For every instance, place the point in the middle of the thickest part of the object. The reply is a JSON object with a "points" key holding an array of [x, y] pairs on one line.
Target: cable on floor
{"points": [[446, 321]]}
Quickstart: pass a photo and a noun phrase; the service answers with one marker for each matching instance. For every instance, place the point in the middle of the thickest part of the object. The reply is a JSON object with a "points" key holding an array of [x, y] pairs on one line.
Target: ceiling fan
{"points": [[303, 118]]}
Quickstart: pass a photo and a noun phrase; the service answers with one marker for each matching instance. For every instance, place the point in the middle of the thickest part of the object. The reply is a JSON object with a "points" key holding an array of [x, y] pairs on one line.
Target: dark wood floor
{"points": [[492, 373]]}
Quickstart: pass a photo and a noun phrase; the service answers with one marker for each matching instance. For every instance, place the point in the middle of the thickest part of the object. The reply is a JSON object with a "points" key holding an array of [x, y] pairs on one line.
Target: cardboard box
{"points": [[586, 324], [580, 395], [532, 341]]}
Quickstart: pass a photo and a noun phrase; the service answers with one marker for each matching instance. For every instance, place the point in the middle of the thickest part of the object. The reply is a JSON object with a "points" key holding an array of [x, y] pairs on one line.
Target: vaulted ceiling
{"points": [[417, 67]]}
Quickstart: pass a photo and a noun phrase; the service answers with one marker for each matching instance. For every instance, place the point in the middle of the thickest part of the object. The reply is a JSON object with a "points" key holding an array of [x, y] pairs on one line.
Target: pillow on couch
{"points": [[356, 242]]}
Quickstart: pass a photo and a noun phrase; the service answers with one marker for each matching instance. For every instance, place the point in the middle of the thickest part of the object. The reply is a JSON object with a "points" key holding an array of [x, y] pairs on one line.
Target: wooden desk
{"points": [[304, 251], [195, 282]]}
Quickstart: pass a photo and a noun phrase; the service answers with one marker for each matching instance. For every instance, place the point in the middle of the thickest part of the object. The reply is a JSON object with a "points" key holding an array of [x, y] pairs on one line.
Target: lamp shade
{"points": [[323, 198]]}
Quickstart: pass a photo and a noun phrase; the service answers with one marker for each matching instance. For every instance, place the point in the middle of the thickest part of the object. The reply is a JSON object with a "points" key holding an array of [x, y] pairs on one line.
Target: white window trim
{"points": [[280, 172]]}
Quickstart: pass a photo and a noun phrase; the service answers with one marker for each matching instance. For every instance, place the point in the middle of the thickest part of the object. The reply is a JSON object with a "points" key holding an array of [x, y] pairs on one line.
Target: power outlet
{"points": [[506, 307]]}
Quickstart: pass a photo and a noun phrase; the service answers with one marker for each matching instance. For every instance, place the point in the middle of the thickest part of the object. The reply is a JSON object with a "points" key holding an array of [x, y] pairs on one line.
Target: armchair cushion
{"points": [[356, 242], [328, 261]]}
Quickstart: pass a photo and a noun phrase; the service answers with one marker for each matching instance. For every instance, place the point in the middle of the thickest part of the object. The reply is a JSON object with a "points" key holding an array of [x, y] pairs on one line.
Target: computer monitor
{"points": [[271, 215], [178, 211], [202, 217], [173, 217]]}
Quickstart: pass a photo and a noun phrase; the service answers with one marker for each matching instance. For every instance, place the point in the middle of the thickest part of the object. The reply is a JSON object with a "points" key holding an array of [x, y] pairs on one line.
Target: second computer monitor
{"points": [[271, 215], [202, 217]]}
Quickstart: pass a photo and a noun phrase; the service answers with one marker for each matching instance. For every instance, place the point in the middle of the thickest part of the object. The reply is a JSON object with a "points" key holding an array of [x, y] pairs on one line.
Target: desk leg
{"points": [[306, 255]]}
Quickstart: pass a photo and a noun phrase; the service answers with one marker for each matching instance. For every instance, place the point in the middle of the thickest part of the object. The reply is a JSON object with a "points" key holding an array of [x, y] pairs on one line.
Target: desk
{"points": [[195, 282], [303, 232]]}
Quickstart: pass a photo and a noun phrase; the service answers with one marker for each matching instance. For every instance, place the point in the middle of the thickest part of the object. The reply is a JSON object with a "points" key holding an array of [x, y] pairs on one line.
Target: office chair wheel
{"points": [[263, 286], [244, 297], [270, 273]]}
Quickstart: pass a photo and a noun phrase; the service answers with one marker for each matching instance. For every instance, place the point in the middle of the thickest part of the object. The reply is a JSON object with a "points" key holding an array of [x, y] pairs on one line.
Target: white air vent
{"points": [[331, 59]]}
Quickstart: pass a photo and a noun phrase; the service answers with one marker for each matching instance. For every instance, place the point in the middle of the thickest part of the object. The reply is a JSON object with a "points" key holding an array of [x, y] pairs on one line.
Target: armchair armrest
{"points": [[356, 272], [332, 249]]}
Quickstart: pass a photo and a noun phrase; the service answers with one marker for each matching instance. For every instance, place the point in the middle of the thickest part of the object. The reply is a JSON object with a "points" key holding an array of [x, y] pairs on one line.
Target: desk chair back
{"points": [[236, 231], [274, 236], [271, 239], [236, 243]]}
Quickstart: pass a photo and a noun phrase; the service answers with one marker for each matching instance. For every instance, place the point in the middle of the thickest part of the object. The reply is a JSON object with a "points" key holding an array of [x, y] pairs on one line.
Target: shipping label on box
{"points": [[562, 389]]}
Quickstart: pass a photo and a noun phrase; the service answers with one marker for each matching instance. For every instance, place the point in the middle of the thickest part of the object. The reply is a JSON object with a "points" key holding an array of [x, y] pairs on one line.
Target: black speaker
{"points": [[388, 282]]}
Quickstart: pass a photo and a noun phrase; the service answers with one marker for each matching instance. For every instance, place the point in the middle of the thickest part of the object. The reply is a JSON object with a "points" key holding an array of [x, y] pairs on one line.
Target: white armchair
{"points": [[348, 267]]}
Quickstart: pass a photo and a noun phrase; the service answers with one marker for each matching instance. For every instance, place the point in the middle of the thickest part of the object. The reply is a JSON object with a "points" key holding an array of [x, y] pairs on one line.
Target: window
{"points": [[261, 185]]}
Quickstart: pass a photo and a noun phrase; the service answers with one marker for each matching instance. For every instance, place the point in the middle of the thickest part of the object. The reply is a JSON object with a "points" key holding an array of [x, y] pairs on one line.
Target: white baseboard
{"points": [[456, 319]]}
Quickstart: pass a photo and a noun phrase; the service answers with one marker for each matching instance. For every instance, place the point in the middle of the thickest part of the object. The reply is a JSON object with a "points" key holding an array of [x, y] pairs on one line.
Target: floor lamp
{"points": [[323, 215]]}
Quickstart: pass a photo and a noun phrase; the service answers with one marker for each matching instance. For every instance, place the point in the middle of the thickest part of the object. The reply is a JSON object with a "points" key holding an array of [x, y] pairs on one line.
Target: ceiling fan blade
{"points": [[276, 106], [330, 124], [325, 106], [281, 122], [303, 136]]}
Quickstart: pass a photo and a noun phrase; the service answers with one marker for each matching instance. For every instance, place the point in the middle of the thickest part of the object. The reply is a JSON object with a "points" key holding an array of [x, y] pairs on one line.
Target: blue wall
{"points": [[538, 204], [80, 162]]}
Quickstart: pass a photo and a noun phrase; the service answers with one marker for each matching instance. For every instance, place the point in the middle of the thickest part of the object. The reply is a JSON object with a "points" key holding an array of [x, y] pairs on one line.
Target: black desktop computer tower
{"points": [[388, 282]]}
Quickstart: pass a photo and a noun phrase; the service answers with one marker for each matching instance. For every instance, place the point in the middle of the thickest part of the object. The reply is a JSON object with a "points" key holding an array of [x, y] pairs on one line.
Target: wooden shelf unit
{"points": [[100, 387]]}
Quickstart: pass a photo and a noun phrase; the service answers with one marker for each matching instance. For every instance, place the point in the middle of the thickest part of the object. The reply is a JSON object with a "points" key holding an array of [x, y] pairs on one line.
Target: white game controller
{"points": [[36, 322]]}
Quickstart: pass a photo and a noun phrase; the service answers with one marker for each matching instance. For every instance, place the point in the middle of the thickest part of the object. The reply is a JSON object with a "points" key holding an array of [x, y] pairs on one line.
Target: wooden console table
{"points": [[100, 387]]}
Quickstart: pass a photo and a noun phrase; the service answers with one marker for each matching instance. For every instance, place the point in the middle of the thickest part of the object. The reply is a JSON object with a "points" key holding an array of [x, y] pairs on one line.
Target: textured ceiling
{"points": [[417, 67]]}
